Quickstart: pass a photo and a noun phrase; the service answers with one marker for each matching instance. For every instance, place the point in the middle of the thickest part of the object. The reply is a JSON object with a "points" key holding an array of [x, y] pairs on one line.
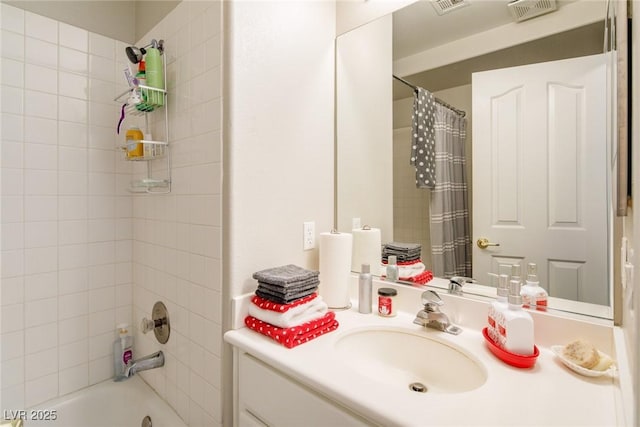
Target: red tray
{"points": [[513, 359]]}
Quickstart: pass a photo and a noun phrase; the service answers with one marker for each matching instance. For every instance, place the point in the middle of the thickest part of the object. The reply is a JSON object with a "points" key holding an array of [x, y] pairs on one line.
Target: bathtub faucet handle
{"points": [[148, 325], [159, 323]]}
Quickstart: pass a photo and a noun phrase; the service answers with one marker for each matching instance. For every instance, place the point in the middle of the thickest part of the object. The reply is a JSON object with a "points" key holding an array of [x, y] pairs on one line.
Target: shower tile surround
{"points": [[66, 217], [80, 253], [177, 238]]}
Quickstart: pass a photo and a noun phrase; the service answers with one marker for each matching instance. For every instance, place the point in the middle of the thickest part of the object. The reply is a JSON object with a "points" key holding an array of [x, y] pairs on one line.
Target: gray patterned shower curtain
{"points": [[450, 239]]}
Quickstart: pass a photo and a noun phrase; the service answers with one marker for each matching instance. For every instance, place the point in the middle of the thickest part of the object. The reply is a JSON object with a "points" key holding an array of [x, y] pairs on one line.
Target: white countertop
{"points": [[547, 394]]}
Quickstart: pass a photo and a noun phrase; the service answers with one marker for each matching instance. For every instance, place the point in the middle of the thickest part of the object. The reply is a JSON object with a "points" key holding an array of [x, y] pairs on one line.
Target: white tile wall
{"points": [[177, 238], [79, 254], [73, 37], [63, 287]]}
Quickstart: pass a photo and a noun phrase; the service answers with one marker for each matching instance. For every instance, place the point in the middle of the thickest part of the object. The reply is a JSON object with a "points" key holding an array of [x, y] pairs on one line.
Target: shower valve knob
{"points": [[148, 325], [159, 323]]}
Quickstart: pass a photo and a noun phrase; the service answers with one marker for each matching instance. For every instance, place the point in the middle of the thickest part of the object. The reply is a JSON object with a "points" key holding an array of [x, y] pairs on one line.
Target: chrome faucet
{"points": [[154, 360], [432, 317], [457, 282]]}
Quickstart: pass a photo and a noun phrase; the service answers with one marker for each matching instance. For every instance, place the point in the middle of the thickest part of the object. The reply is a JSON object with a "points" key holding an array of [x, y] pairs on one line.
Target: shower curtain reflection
{"points": [[450, 231]]}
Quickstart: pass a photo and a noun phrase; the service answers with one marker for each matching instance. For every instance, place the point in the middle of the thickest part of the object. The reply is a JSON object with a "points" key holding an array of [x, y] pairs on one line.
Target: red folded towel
{"points": [[296, 335], [265, 304], [421, 278], [415, 261]]}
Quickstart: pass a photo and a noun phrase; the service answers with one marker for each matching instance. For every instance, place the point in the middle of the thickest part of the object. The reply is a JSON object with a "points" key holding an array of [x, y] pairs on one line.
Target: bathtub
{"points": [[106, 404]]}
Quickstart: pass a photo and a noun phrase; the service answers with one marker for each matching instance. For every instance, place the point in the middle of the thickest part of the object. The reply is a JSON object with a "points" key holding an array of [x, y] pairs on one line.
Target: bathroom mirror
{"points": [[439, 53]]}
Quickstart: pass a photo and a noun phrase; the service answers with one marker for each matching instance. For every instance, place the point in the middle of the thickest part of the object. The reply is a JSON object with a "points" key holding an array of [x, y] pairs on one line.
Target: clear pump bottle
{"points": [[392, 269], [533, 295], [516, 271]]}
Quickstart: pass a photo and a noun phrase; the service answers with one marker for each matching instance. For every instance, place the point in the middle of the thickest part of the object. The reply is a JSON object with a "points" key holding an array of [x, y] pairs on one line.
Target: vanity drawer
{"points": [[274, 399]]}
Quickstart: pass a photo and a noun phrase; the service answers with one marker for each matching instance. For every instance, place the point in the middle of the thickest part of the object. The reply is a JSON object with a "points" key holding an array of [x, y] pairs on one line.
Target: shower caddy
{"points": [[153, 149]]}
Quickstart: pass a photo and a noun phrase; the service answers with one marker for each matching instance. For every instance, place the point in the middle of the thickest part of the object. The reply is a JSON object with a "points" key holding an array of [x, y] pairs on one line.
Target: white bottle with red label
{"points": [[498, 307], [517, 334], [500, 319], [533, 295], [122, 351]]}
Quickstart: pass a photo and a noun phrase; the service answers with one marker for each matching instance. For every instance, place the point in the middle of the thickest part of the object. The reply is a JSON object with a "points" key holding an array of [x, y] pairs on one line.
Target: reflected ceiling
{"points": [[418, 27], [581, 41]]}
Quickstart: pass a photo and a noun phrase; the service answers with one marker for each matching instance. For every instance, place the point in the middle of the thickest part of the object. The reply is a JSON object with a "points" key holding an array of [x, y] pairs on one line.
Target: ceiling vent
{"points": [[527, 9], [446, 6]]}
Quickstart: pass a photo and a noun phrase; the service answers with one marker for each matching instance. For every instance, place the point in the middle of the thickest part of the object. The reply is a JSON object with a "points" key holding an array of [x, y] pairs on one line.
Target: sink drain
{"points": [[146, 422], [418, 387]]}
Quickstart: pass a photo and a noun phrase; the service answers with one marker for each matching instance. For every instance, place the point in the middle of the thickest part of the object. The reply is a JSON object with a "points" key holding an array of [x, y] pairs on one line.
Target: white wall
{"points": [[177, 238], [278, 134], [66, 216], [278, 143], [148, 13], [364, 128], [351, 14]]}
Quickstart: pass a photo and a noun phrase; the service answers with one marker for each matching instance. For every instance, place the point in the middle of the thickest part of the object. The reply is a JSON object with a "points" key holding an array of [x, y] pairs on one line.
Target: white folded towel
{"points": [[312, 310], [409, 270]]}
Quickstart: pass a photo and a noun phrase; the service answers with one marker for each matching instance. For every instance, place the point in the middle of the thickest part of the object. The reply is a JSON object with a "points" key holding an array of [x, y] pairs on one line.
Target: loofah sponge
{"points": [[582, 353]]}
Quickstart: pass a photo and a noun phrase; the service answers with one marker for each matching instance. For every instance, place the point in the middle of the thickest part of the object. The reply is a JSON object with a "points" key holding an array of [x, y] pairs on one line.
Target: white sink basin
{"points": [[407, 360]]}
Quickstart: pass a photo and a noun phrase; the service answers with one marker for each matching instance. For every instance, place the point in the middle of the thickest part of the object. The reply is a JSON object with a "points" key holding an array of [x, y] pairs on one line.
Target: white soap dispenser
{"points": [[533, 295], [497, 308], [518, 325]]}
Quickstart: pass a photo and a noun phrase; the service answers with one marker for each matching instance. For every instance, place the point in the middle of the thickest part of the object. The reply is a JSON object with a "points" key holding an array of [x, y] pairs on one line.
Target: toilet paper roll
{"points": [[335, 268], [367, 248]]}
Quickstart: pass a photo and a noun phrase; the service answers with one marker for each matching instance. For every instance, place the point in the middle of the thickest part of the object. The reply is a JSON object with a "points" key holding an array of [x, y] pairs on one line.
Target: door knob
{"points": [[484, 243]]}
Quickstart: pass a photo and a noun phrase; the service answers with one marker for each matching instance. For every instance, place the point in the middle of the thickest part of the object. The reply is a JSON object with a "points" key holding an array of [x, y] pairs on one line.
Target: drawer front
{"points": [[276, 400]]}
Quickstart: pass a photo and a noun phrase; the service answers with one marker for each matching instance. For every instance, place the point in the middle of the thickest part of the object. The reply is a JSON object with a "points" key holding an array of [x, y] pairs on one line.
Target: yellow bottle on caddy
{"points": [[134, 146]]}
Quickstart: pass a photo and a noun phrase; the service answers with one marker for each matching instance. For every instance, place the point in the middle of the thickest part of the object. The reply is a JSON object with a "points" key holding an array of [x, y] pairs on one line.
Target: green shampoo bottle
{"points": [[155, 75]]}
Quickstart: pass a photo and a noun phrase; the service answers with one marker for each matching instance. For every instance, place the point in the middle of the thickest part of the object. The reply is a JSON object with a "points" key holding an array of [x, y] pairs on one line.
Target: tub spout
{"points": [[154, 360]]}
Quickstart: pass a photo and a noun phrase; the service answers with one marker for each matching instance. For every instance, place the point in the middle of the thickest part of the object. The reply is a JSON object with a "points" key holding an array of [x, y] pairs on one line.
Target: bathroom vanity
{"points": [[388, 371]]}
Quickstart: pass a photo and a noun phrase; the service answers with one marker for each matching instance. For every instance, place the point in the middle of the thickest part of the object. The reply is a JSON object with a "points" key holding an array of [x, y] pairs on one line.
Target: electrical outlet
{"points": [[308, 235], [356, 223]]}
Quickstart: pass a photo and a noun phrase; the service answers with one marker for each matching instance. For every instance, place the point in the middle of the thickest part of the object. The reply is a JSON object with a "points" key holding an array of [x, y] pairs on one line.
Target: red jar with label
{"points": [[386, 302]]}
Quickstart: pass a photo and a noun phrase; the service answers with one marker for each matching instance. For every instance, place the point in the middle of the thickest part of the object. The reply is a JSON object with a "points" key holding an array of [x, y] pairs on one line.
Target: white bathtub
{"points": [[106, 404]]}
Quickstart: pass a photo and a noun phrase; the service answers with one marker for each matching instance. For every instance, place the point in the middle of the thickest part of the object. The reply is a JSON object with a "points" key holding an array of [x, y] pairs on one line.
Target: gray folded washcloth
{"points": [[401, 258], [305, 282], [405, 252], [286, 292], [284, 275], [272, 296], [403, 246]]}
